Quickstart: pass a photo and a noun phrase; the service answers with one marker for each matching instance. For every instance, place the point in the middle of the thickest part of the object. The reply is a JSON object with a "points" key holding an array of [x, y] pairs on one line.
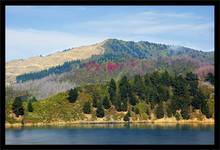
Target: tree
{"points": [[198, 100], [132, 100], [205, 110], [17, 107], [192, 79], [72, 95], [160, 111], [94, 102], [126, 117], [185, 113], [163, 93], [138, 86], [112, 91], [30, 107], [178, 116], [87, 109], [100, 111], [106, 103], [210, 78]]}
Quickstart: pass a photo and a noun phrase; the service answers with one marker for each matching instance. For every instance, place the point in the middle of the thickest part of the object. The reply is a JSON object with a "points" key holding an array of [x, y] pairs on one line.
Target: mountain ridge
{"points": [[109, 48]]}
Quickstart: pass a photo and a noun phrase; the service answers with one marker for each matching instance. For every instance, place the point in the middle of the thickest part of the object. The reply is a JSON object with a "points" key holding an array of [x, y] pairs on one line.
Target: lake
{"points": [[113, 134]]}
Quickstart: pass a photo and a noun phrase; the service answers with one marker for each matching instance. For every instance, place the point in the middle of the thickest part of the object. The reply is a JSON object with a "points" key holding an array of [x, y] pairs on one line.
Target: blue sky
{"points": [[41, 30]]}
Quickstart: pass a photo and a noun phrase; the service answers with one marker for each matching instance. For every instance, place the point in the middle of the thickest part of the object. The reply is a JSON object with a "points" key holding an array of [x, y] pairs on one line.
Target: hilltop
{"points": [[110, 49]]}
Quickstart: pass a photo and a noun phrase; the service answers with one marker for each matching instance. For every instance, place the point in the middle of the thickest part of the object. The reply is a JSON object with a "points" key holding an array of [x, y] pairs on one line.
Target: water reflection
{"points": [[134, 125], [133, 133]]}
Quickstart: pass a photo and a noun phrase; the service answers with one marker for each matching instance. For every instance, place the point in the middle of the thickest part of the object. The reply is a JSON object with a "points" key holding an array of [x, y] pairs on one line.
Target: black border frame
{"points": [[5, 3]]}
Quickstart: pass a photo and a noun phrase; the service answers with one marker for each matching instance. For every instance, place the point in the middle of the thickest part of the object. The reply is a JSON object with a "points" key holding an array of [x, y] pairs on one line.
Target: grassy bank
{"points": [[162, 122]]}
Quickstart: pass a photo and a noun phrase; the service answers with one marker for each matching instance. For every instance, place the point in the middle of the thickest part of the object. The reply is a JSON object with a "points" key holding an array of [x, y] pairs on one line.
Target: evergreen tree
{"points": [[94, 102], [160, 111], [192, 79], [210, 78], [178, 116], [72, 95], [138, 86], [205, 110], [106, 103], [185, 113], [132, 100], [87, 109], [112, 91], [30, 107], [198, 100], [163, 93], [100, 111], [124, 93], [126, 117], [165, 78], [17, 107]]}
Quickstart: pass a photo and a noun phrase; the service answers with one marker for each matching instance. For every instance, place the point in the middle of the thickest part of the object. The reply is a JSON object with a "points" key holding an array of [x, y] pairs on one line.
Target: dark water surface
{"points": [[113, 134]]}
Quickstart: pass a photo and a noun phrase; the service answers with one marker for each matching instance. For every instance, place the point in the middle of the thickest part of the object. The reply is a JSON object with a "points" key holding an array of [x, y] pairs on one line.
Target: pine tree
{"points": [[126, 117], [72, 95], [100, 111], [87, 107], [185, 113], [106, 103], [210, 78], [94, 102], [112, 91], [17, 107], [138, 86], [159, 111], [192, 79]]}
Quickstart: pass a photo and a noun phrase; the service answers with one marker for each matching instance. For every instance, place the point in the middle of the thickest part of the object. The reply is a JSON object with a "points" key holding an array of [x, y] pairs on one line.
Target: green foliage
{"points": [[185, 113], [160, 111], [87, 108], [66, 67], [17, 107], [136, 110], [100, 113], [157, 92], [106, 103], [94, 101], [193, 82], [73, 94], [205, 110], [126, 117], [178, 116], [211, 105], [112, 91], [210, 78], [138, 86], [30, 107]]}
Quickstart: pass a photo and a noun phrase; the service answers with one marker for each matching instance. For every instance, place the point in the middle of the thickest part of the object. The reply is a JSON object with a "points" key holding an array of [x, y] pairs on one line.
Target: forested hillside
{"points": [[141, 97]]}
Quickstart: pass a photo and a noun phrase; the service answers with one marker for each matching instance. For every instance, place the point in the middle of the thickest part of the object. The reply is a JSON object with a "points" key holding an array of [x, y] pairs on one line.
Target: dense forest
{"points": [[153, 95]]}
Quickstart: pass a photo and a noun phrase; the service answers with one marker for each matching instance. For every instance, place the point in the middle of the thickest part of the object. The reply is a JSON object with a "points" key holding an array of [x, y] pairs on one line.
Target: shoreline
{"points": [[162, 122]]}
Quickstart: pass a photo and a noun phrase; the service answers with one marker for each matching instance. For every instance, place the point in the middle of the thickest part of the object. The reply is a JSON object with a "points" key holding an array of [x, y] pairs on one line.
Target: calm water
{"points": [[113, 134]]}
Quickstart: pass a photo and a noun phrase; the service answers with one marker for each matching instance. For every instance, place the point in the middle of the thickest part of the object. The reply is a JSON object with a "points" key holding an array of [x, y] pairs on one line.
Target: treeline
{"points": [[67, 66], [165, 95]]}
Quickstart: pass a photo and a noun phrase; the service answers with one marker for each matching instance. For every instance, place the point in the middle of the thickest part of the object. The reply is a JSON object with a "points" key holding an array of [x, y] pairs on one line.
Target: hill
{"points": [[109, 50], [141, 98]]}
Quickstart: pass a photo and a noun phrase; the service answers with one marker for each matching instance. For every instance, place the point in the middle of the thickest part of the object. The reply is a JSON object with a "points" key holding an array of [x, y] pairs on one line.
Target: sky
{"points": [[42, 30]]}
